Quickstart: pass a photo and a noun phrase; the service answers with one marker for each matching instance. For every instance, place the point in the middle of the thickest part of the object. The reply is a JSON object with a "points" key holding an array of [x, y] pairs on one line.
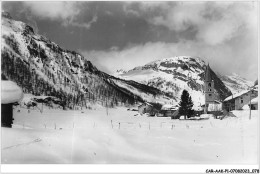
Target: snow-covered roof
{"points": [[236, 95], [146, 103], [215, 102], [254, 101], [169, 107], [10, 92]]}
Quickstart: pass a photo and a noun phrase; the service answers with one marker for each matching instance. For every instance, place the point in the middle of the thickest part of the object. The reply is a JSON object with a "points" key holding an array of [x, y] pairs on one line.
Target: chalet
{"points": [[254, 104], [144, 107], [169, 111], [148, 108], [10, 94], [237, 101]]}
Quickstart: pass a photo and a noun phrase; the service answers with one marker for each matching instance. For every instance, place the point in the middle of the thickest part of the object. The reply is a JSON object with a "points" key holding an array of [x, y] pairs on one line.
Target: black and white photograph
{"points": [[129, 82]]}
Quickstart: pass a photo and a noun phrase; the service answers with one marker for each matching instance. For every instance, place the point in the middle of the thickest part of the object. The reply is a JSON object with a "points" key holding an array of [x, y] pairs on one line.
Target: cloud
{"points": [[32, 22], [129, 57], [86, 25], [224, 58], [215, 22], [53, 9], [66, 12], [179, 17], [236, 19], [226, 36], [223, 33]]}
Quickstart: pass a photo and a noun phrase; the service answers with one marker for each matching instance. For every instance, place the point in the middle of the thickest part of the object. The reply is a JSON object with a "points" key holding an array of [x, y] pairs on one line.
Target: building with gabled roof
{"points": [[10, 94], [254, 104], [147, 108], [238, 100], [169, 110]]}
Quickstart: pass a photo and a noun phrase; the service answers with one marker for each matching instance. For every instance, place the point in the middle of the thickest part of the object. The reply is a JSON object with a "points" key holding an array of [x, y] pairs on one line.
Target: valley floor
{"points": [[117, 136]]}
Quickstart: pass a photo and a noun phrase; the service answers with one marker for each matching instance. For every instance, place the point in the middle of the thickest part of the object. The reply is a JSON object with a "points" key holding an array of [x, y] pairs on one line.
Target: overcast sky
{"points": [[115, 35]]}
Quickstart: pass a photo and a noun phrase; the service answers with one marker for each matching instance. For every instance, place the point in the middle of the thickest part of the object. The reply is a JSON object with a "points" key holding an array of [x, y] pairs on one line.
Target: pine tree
{"points": [[186, 105]]}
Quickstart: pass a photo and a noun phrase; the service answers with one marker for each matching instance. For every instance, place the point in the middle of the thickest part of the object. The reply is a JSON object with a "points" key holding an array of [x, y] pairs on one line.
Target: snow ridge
{"points": [[235, 82]]}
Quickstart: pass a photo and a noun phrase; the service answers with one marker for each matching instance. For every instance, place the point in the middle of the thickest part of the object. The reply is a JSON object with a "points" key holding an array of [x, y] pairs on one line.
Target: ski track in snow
{"points": [[22, 144]]}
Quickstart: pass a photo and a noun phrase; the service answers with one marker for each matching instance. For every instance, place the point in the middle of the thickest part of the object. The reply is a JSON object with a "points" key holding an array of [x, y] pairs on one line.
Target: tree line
{"points": [[26, 76]]}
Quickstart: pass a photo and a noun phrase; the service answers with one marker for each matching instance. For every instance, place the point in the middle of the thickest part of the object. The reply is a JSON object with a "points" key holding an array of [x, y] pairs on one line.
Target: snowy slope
{"points": [[174, 74], [41, 67], [92, 136], [235, 83]]}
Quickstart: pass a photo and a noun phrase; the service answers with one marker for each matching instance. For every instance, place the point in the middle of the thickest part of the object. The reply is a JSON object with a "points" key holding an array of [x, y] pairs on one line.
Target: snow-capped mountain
{"points": [[41, 67], [235, 82], [174, 74], [119, 72]]}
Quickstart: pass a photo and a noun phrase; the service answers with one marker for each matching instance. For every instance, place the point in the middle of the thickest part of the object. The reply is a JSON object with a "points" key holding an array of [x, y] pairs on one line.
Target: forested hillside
{"points": [[42, 67]]}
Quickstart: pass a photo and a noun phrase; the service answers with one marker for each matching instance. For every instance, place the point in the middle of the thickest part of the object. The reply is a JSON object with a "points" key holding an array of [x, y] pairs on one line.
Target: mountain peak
{"points": [[174, 74], [5, 14], [178, 59], [183, 64], [235, 82], [120, 71], [234, 74]]}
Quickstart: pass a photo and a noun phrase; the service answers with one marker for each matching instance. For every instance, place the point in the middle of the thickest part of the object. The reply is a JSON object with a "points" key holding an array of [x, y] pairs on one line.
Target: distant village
{"points": [[244, 100]]}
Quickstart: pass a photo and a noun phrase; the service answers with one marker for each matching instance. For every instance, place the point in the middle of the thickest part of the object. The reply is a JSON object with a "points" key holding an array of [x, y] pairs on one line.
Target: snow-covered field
{"points": [[93, 136]]}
